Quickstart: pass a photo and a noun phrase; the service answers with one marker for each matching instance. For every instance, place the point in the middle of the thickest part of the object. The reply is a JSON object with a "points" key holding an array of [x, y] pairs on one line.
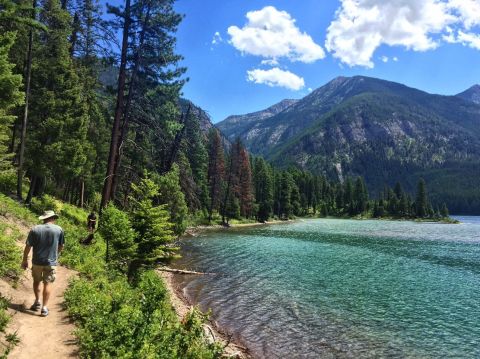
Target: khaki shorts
{"points": [[46, 274]]}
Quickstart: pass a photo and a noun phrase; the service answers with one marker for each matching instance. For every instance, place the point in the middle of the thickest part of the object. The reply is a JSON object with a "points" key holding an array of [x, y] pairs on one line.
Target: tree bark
{"points": [[131, 91], [23, 133], [82, 192], [112, 157]]}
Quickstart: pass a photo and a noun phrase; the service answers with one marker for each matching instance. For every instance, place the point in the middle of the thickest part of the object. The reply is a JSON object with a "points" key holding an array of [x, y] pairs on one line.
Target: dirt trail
{"points": [[41, 338]]}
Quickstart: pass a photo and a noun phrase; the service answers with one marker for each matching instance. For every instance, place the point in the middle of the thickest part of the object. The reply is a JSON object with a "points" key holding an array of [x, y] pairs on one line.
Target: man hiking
{"points": [[47, 241]]}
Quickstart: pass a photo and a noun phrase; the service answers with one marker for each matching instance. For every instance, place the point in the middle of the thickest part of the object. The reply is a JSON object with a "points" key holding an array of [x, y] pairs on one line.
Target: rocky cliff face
{"points": [[246, 125]]}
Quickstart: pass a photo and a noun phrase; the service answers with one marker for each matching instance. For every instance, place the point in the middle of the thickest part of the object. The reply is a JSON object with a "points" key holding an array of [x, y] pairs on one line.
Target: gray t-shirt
{"points": [[45, 239]]}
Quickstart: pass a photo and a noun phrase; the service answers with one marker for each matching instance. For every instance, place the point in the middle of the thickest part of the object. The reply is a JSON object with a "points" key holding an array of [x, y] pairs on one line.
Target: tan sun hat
{"points": [[47, 214]]}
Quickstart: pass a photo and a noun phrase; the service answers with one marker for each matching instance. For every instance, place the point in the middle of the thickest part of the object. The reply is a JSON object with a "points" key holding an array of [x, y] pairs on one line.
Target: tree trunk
{"points": [[75, 31], [131, 91], [112, 157], [23, 133], [33, 183], [172, 157], [82, 192], [11, 147]]}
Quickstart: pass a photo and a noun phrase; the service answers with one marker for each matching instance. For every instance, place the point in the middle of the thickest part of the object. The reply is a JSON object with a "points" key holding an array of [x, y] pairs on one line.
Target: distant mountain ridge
{"points": [[472, 94], [234, 125], [382, 130]]}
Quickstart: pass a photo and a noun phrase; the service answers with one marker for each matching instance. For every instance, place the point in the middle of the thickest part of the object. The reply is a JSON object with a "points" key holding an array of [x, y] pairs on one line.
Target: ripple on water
{"points": [[343, 289]]}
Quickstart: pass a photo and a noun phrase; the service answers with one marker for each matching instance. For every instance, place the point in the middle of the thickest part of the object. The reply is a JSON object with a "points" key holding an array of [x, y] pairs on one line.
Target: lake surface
{"points": [[329, 288]]}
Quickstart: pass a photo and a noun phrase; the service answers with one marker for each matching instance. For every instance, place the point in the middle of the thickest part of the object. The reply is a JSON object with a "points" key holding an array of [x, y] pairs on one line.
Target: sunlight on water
{"points": [[343, 288]]}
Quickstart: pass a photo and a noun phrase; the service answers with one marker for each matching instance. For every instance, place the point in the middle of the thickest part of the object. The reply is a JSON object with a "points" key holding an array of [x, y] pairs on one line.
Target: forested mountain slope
{"points": [[382, 130]]}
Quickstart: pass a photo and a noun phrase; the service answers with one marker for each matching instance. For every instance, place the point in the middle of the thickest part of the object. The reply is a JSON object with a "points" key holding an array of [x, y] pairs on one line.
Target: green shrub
{"points": [[8, 181], [10, 255], [118, 321], [117, 231], [4, 317], [44, 203]]}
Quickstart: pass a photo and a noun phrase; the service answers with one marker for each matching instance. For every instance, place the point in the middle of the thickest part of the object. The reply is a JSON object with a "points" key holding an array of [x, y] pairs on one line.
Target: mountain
{"points": [[472, 94], [382, 130], [202, 116], [239, 125]]}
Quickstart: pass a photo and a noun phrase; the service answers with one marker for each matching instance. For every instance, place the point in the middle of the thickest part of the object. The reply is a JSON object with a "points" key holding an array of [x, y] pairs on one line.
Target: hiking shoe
{"points": [[44, 312], [35, 306]]}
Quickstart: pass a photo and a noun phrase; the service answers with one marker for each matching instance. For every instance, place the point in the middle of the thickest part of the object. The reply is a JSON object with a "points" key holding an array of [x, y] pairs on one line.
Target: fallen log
{"points": [[181, 271]]}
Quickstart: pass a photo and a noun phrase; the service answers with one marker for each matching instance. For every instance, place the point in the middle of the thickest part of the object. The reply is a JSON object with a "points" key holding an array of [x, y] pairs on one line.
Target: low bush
{"points": [[120, 321], [44, 203], [10, 254], [8, 181]]}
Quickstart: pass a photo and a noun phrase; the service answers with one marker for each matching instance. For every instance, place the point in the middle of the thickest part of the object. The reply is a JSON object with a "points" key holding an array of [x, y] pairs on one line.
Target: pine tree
{"points": [[194, 149], [170, 193], [216, 171], [245, 186], [152, 226], [57, 143], [444, 211], [285, 193], [263, 189], [232, 181], [148, 30], [10, 96], [421, 201], [348, 199], [361, 196], [116, 230]]}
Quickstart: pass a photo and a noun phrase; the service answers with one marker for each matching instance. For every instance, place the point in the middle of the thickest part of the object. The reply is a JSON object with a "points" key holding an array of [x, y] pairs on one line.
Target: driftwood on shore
{"points": [[181, 271]]}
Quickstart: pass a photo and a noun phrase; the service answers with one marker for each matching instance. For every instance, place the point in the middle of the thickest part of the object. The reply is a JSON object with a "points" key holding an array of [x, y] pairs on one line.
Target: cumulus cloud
{"points": [[469, 39], [395, 59], [468, 11], [361, 26], [272, 34], [384, 59], [276, 77]]}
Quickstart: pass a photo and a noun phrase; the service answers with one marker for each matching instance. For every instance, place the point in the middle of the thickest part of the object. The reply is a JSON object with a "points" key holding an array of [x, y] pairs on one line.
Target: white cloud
{"points": [[310, 89], [467, 10], [217, 38], [395, 59], [269, 62], [272, 34], [276, 77], [384, 59], [361, 26], [469, 39]]}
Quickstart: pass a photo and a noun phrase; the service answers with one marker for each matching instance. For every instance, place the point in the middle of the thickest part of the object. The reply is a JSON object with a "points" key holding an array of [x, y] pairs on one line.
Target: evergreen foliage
{"points": [[10, 96], [153, 229]]}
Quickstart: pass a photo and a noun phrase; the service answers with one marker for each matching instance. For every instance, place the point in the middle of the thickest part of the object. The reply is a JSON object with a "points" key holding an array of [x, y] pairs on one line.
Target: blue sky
{"points": [[433, 45]]}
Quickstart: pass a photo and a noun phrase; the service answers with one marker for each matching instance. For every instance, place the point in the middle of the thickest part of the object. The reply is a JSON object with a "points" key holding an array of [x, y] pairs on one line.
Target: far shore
{"points": [[196, 230]]}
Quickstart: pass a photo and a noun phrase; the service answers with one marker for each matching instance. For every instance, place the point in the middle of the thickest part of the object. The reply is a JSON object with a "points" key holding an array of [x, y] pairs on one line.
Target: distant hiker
{"points": [[91, 222], [47, 241]]}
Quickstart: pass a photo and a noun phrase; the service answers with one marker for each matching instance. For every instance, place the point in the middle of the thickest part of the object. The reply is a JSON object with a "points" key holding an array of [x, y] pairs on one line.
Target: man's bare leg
{"points": [[36, 290], [47, 289]]}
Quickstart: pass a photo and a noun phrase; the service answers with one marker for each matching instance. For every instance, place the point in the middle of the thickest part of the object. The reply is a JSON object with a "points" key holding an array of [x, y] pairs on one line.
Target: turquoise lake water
{"points": [[331, 288]]}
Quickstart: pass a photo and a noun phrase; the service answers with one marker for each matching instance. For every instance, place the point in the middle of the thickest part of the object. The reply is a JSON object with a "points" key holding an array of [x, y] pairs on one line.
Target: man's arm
{"points": [[26, 252]]}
